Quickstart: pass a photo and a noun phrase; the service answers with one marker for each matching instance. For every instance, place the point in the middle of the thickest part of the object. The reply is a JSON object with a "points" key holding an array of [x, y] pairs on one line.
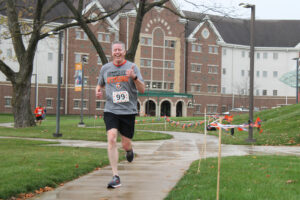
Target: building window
{"points": [[213, 49], [78, 34], [98, 105], [265, 74], [196, 48], [84, 105], [85, 37], [171, 86], [197, 108], [165, 86], [212, 69], [49, 103], [223, 90], [78, 58], [243, 54], [275, 74], [159, 85], [50, 56], [145, 62], [258, 55], [224, 71], [212, 89], [146, 41], [169, 64], [274, 92], [212, 108], [76, 104], [257, 73], [257, 92], [49, 79], [103, 37], [196, 67], [153, 84], [265, 55], [264, 92], [7, 102], [170, 43], [275, 56], [198, 88]]}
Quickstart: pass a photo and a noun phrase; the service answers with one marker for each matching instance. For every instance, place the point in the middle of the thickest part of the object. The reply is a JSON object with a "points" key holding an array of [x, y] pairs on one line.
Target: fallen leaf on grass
{"points": [[290, 181], [268, 175], [48, 189], [76, 166]]}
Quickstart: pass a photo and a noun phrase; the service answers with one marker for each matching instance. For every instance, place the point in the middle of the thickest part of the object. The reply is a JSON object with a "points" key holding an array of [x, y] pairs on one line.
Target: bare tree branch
{"points": [[14, 29], [83, 22], [7, 71]]}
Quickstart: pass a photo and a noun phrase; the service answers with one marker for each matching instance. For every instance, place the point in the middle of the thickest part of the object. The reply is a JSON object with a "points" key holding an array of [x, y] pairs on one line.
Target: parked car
{"points": [[239, 110]]}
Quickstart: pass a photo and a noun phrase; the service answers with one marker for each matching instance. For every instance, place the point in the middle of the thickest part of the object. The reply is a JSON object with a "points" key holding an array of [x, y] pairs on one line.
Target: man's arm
{"points": [[99, 93], [140, 86]]}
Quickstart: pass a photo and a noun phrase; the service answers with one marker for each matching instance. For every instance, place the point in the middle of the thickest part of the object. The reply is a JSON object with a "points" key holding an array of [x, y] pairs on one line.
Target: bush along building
{"points": [[189, 66]]}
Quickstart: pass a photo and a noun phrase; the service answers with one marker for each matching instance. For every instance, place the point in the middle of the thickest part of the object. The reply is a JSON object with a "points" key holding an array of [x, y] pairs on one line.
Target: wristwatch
{"points": [[135, 78]]}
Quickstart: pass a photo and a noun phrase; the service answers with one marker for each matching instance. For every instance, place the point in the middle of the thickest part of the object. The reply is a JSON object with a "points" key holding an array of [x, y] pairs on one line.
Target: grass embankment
{"points": [[246, 178], [27, 165], [281, 126]]}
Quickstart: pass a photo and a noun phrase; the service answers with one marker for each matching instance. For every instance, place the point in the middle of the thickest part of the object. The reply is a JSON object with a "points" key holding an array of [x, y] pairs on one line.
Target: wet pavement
{"points": [[156, 169]]}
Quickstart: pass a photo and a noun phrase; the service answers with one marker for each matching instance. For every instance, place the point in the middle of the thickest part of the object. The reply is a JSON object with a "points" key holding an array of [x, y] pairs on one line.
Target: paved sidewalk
{"points": [[155, 171]]}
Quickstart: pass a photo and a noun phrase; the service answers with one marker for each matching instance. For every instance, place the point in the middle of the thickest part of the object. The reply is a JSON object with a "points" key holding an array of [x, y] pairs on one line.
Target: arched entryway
{"points": [[179, 109], [150, 108], [165, 109]]}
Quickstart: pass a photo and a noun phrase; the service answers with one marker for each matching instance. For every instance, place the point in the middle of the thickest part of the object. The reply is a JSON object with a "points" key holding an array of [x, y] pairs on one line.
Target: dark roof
{"points": [[268, 33], [56, 12], [110, 5]]}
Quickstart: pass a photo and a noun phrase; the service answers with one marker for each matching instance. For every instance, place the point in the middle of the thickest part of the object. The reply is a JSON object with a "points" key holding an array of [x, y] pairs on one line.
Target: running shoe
{"points": [[129, 155], [115, 182]]}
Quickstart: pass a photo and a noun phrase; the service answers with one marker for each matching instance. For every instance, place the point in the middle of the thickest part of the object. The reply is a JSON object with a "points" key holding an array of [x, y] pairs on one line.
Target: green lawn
{"points": [[94, 131], [28, 165], [242, 178]]}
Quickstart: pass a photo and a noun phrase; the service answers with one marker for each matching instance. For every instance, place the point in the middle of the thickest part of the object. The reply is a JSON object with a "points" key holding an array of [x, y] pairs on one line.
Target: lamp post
{"points": [[83, 60], [60, 35], [35, 90], [251, 100], [297, 78], [148, 103]]}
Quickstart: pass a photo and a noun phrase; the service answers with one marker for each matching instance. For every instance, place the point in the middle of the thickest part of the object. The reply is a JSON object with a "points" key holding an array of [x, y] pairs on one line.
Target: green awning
{"points": [[152, 93]]}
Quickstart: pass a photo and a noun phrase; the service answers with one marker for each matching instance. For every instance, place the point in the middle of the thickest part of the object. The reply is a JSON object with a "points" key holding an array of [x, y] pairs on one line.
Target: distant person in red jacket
{"points": [[39, 111]]}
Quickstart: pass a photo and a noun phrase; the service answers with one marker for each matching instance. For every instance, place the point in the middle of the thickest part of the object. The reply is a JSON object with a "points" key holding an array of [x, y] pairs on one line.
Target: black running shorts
{"points": [[124, 123]]}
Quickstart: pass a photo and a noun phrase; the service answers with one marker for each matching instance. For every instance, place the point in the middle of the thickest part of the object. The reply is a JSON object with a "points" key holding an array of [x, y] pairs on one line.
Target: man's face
{"points": [[118, 53]]}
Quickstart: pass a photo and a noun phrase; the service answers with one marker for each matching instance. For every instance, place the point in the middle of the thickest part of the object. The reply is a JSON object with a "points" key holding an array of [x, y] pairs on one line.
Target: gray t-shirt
{"points": [[121, 92]]}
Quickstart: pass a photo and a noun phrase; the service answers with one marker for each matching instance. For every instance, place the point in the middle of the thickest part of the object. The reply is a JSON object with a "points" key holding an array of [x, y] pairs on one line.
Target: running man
{"points": [[122, 81]]}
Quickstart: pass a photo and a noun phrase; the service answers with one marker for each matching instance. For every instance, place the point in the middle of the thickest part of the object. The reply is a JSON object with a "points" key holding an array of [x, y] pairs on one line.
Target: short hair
{"points": [[118, 42]]}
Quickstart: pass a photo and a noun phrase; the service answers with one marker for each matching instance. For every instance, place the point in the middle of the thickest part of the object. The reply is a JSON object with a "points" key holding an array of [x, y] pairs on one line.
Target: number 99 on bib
{"points": [[120, 97]]}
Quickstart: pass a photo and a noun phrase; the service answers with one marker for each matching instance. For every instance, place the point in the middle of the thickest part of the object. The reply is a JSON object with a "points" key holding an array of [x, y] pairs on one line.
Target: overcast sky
{"points": [[265, 9]]}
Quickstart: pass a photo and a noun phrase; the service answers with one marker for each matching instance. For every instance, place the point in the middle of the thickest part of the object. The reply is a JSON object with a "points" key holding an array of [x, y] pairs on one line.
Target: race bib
{"points": [[120, 97]]}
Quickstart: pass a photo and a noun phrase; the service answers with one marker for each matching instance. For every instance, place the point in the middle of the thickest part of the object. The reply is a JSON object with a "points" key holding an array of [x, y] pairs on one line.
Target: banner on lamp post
{"points": [[78, 77]]}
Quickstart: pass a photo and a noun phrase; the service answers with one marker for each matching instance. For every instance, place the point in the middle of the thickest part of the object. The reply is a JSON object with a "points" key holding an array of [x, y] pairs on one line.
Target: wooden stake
{"points": [[205, 132], [198, 170], [219, 160]]}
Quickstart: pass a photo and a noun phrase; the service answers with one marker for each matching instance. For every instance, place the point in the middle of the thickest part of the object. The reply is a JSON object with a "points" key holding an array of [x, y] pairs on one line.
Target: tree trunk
{"points": [[21, 104]]}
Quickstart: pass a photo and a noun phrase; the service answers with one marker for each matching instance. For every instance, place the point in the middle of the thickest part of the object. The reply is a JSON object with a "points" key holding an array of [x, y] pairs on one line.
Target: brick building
{"points": [[188, 66]]}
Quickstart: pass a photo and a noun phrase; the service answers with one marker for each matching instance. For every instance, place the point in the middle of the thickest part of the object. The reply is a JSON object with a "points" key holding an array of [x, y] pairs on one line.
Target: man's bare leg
{"points": [[112, 149]]}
